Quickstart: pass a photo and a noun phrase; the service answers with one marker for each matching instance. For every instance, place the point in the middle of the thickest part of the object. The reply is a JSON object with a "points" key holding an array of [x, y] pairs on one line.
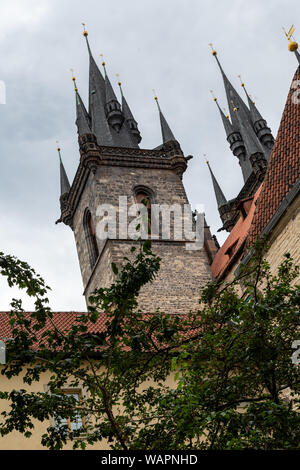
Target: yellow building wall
{"points": [[17, 441], [285, 238]]}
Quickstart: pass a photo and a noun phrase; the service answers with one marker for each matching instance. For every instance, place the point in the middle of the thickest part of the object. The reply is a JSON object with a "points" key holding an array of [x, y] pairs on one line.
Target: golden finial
{"points": [[103, 63], [234, 107], [156, 99], [226, 115], [155, 96], [206, 161], [85, 33], [213, 51], [118, 77], [242, 83], [58, 147], [293, 46], [74, 80], [212, 94]]}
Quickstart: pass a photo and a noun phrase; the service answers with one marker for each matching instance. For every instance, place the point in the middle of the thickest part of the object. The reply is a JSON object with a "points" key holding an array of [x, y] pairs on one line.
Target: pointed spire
{"points": [[225, 118], [221, 199], [105, 114], [82, 118], [255, 114], [109, 91], [166, 132], [99, 124], [235, 141], [64, 182], [232, 95], [96, 80], [260, 125], [112, 106], [129, 119]]}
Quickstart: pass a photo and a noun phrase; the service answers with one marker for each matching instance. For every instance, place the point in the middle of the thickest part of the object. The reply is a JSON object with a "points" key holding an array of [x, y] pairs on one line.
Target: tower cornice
{"points": [[93, 156]]}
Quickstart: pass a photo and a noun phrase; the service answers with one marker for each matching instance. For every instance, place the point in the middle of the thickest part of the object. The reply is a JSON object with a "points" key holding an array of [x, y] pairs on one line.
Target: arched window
{"points": [[143, 198], [90, 236]]}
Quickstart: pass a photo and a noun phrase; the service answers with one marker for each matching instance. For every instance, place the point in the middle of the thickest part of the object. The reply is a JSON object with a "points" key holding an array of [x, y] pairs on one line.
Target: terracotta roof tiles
{"points": [[283, 169]]}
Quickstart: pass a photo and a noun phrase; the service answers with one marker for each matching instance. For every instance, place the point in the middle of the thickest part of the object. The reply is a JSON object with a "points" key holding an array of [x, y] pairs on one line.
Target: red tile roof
{"points": [[65, 320], [235, 240], [283, 169]]}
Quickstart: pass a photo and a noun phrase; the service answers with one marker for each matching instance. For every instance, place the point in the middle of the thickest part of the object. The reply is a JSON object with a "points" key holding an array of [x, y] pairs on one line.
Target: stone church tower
{"points": [[112, 165]]}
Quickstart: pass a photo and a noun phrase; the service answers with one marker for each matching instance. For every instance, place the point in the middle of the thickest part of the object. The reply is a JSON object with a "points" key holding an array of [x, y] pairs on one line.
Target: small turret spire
{"points": [[129, 119], [234, 139], [221, 199], [261, 128], [166, 132], [113, 110], [232, 95], [225, 118], [255, 114], [64, 182], [82, 117]]}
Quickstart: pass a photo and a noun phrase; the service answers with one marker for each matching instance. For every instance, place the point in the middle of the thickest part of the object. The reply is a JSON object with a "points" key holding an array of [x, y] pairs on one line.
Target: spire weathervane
{"points": [[216, 101], [213, 95], [242, 83], [247, 94], [103, 62], [156, 99], [293, 45], [119, 83], [74, 79], [213, 51], [233, 106], [85, 33]]}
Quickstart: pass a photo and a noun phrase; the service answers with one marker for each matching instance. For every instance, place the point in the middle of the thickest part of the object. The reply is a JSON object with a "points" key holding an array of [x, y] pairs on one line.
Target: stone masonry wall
{"points": [[177, 287], [182, 272], [286, 238]]}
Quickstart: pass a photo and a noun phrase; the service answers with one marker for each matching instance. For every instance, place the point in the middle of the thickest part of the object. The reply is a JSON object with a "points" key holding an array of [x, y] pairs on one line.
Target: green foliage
{"points": [[236, 386]]}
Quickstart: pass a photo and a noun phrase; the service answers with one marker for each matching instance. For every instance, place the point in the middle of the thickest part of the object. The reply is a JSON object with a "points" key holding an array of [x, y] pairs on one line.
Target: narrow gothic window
{"points": [[91, 239], [143, 198]]}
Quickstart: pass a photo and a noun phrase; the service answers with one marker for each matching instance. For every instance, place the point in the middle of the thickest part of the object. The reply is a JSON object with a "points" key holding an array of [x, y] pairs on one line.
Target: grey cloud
{"points": [[151, 44]]}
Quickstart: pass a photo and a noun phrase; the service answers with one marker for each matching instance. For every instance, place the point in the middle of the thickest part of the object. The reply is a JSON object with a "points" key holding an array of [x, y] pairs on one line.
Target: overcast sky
{"points": [[160, 44]]}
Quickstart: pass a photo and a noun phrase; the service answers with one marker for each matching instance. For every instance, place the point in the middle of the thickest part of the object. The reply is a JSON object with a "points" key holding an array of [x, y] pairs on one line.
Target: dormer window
{"points": [[244, 206], [231, 249]]}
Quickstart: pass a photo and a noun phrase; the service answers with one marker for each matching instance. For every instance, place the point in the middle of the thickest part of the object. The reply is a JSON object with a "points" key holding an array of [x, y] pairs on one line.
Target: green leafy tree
{"points": [[235, 385]]}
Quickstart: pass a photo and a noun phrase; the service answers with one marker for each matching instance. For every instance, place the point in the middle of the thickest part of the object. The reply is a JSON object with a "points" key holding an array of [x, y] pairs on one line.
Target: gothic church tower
{"points": [[112, 165]]}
